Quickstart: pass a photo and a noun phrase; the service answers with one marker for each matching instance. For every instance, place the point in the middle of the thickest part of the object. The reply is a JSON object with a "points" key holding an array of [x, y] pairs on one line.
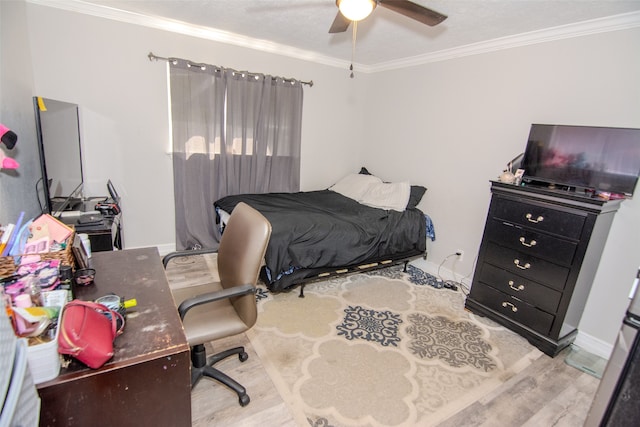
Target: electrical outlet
{"points": [[460, 254]]}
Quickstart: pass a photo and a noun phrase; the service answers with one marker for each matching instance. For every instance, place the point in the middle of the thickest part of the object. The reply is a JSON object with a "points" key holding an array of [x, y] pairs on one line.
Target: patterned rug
{"points": [[381, 349]]}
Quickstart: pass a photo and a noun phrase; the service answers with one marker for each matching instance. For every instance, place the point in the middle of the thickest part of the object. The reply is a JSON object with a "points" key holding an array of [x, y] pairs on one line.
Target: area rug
{"points": [[382, 349]]}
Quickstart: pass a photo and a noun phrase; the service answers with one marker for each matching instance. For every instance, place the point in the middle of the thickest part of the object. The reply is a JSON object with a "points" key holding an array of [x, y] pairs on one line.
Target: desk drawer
{"points": [[527, 266], [513, 308], [539, 217], [524, 289], [532, 243]]}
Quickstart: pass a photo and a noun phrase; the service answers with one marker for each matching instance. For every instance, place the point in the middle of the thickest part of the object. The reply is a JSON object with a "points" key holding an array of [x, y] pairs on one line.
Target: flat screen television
{"points": [[583, 158], [58, 131]]}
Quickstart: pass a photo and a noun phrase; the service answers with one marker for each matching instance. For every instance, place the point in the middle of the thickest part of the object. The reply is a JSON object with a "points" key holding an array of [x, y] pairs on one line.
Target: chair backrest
{"points": [[242, 248]]}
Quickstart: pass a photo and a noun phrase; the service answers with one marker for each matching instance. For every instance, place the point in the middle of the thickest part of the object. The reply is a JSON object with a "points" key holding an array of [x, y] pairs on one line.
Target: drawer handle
{"points": [[508, 304], [536, 220], [519, 288], [521, 267], [530, 244]]}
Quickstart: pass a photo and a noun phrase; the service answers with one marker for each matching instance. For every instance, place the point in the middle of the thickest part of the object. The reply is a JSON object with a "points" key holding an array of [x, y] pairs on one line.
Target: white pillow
{"points": [[355, 185], [387, 196]]}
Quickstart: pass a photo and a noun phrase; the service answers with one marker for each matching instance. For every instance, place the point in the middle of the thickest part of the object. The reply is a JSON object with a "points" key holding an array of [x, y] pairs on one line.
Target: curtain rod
{"points": [[153, 57]]}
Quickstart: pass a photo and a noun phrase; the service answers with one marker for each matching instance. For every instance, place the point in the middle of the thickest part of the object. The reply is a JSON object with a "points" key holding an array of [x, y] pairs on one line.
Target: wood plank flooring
{"points": [[547, 393], [214, 404]]}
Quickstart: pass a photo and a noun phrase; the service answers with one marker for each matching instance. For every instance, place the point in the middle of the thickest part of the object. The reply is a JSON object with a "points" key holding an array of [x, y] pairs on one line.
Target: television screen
{"points": [[584, 157], [58, 131]]}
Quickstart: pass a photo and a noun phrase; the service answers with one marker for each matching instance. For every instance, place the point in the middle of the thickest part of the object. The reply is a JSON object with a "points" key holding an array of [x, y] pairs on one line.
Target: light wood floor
{"points": [[214, 404], [547, 393]]}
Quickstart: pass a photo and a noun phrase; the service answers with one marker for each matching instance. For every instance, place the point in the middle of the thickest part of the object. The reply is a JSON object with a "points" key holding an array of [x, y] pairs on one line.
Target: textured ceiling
{"points": [[385, 36]]}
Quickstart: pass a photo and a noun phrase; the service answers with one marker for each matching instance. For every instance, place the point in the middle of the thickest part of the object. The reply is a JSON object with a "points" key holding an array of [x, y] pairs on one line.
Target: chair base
{"points": [[203, 367]]}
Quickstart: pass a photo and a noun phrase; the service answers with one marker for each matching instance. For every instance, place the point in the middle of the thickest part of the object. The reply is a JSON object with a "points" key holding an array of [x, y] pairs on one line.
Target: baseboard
{"points": [[425, 265], [162, 249], [166, 248], [593, 345], [443, 274]]}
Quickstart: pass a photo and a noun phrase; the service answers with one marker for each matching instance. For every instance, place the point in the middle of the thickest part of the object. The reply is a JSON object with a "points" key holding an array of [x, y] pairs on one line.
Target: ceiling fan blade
{"points": [[340, 24], [414, 11]]}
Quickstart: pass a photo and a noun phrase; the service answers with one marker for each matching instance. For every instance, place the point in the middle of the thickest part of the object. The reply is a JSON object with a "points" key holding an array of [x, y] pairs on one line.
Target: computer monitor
{"points": [[58, 132]]}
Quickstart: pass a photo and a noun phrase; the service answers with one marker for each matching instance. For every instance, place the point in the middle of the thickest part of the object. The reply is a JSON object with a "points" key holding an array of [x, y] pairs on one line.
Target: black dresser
{"points": [[537, 260]]}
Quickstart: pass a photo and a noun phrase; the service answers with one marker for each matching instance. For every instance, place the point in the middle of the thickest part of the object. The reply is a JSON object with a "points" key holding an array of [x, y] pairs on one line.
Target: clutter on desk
{"points": [[34, 315], [118, 304], [80, 252], [36, 278], [84, 276], [32, 300], [31, 240], [88, 330], [65, 275]]}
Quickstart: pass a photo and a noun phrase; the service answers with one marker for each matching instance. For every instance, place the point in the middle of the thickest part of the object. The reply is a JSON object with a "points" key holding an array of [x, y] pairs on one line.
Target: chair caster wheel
{"points": [[243, 356], [244, 400]]}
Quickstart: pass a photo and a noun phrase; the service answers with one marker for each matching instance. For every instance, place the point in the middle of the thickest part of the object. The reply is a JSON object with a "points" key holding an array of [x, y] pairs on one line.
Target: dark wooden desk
{"points": [[148, 380]]}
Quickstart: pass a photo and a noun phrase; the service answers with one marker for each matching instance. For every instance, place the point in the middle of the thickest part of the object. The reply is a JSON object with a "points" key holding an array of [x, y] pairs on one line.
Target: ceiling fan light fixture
{"points": [[356, 10]]}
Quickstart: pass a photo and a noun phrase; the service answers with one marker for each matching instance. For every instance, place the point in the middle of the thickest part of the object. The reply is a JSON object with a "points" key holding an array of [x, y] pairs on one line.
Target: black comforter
{"points": [[323, 229]]}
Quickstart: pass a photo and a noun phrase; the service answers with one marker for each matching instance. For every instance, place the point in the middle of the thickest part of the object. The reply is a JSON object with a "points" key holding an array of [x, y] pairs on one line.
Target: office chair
{"points": [[228, 307]]}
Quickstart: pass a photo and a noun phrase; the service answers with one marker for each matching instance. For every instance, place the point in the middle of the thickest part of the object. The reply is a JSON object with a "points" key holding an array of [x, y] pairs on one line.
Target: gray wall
{"points": [[102, 66], [17, 189], [449, 125], [455, 124]]}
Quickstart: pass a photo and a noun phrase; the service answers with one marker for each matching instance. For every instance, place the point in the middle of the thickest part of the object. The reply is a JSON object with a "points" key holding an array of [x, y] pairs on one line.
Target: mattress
{"points": [[319, 230]]}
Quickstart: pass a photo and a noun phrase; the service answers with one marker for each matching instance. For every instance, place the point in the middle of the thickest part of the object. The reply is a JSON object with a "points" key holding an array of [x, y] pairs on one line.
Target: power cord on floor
{"points": [[455, 285], [449, 284], [464, 288]]}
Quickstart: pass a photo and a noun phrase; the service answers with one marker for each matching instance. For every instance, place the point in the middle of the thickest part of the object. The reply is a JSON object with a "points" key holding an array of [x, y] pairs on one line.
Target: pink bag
{"points": [[86, 333]]}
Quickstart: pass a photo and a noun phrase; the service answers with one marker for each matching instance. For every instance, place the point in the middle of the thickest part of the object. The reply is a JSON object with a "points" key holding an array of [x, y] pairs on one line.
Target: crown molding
{"points": [[186, 29], [595, 26], [602, 25]]}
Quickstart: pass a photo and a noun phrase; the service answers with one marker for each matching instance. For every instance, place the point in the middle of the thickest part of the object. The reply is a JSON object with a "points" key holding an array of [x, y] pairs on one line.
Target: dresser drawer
{"points": [[513, 308], [539, 217], [524, 289], [527, 266], [532, 243]]}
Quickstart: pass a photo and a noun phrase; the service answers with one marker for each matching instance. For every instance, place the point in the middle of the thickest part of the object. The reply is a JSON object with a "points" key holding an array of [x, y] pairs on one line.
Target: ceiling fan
{"points": [[356, 10]]}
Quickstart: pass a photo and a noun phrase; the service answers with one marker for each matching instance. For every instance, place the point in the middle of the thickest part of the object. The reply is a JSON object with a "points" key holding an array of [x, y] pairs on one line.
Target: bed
{"points": [[358, 224]]}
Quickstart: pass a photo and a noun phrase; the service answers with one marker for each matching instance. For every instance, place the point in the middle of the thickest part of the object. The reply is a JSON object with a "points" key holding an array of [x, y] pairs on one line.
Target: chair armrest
{"points": [[236, 291], [168, 257]]}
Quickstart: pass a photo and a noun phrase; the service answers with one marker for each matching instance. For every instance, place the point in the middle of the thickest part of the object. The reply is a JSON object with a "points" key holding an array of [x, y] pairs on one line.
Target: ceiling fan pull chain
{"points": [[353, 46]]}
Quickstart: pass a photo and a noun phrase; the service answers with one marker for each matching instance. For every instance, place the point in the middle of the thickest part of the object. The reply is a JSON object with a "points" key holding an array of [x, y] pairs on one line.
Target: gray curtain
{"points": [[233, 133]]}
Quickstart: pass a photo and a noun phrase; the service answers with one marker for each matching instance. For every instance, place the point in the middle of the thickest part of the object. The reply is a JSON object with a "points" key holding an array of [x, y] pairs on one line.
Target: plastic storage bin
{"points": [[44, 360]]}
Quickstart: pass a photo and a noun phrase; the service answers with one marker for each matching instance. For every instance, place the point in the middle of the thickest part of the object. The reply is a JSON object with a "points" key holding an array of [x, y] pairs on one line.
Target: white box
{"points": [[44, 360]]}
